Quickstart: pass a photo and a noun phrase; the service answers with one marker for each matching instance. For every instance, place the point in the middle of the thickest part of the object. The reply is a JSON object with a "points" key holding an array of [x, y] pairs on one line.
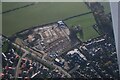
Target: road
{"points": [[42, 61], [74, 69]]}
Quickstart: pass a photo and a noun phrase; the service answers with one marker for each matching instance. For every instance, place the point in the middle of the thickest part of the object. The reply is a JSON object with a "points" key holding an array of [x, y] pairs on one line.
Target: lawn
{"points": [[42, 13], [86, 23]]}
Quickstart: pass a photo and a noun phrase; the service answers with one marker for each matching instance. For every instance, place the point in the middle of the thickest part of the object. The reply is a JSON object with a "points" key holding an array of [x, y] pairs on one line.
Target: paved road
{"points": [[40, 60], [74, 69]]}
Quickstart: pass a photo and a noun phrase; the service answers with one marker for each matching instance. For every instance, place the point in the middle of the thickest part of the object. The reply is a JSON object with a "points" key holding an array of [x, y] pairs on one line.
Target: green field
{"points": [[42, 13]]}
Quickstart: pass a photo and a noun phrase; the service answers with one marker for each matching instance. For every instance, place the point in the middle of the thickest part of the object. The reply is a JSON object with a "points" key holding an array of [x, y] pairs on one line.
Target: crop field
{"points": [[43, 13]]}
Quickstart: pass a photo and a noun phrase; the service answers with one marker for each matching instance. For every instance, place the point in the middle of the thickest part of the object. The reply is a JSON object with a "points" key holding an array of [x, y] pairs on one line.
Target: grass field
{"points": [[42, 13]]}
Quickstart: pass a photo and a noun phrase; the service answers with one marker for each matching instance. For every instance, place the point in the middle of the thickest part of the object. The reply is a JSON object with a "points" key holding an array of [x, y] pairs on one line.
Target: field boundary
{"points": [[11, 10], [71, 17]]}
